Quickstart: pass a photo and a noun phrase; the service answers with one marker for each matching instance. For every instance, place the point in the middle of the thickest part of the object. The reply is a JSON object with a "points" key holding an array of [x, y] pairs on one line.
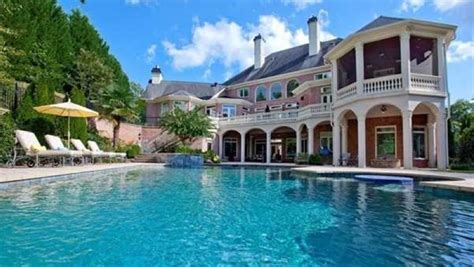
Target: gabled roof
{"points": [[180, 88], [285, 61], [379, 22]]}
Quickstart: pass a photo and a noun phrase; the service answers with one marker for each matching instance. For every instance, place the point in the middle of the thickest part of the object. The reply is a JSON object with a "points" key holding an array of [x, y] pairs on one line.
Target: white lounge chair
{"points": [[87, 152], [95, 148], [35, 150], [55, 143]]}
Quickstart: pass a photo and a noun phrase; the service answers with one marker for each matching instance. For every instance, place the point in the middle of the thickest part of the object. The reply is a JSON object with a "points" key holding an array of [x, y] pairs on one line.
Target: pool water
{"points": [[233, 216]]}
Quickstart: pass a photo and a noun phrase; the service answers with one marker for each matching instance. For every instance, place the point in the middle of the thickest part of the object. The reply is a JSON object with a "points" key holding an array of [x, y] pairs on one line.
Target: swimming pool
{"points": [[233, 216]]}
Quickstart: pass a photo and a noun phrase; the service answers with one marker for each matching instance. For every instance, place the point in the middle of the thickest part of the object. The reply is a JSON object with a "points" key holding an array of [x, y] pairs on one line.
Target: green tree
{"points": [[461, 117], [78, 126], [467, 145], [7, 139], [137, 91], [187, 125], [117, 105]]}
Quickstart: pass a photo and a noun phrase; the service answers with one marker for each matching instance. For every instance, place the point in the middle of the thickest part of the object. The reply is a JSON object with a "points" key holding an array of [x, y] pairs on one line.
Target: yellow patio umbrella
{"points": [[67, 109]]}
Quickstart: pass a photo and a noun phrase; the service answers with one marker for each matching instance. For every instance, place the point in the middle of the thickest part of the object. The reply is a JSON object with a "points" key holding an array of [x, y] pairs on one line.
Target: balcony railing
{"points": [[391, 83], [425, 82], [282, 116]]}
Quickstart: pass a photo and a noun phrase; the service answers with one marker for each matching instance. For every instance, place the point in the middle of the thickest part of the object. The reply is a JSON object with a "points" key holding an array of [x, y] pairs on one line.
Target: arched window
{"points": [[290, 86], [276, 91], [261, 93]]}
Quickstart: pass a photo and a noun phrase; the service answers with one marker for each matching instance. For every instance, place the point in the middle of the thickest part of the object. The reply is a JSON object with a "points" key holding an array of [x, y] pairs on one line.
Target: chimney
{"points": [[258, 53], [156, 76], [313, 32]]}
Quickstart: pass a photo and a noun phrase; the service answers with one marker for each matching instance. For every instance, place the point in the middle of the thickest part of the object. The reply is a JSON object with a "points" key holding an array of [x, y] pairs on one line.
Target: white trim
{"points": [[426, 140], [310, 84], [376, 138], [266, 93]]}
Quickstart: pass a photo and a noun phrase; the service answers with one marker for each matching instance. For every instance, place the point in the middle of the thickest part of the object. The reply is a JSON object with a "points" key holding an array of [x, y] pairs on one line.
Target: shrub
{"points": [[466, 147], [462, 167], [210, 155], [187, 150], [133, 151], [302, 158], [314, 159], [7, 136]]}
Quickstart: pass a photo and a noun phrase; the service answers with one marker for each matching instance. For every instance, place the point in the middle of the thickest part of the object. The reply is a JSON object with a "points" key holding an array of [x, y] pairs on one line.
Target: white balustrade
{"points": [[424, 82], [383, 84], [347, 91]]}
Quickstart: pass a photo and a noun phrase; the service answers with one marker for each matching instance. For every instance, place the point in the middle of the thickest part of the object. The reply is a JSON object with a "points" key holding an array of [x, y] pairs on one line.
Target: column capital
{"points": [[407, 114], [359, 46], [405, 35]]}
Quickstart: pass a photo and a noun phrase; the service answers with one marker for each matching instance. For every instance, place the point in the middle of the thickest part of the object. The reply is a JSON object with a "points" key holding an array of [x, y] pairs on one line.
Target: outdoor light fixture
{"points": [[383, 108]]}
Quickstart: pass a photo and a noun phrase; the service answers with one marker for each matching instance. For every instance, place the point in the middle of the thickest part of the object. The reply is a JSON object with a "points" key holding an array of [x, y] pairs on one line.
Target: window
{"points": [[211, 111], [323, 75], [230, 148], [385, 141], [304, 146], [261, 93], [325, 141], [165, 107], [229, 110], [290, 86], [419, 142], [180, 104], [326, 96], [276, 91], [290, 148], [244, 92]]}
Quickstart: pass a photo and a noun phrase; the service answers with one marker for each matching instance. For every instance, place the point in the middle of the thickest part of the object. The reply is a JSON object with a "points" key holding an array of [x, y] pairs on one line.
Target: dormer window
{"points": [[243, 92]]}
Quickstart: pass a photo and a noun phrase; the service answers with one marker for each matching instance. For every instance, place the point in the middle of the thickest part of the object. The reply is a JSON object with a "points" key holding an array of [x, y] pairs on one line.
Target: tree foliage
{"points": [[187, 125], [462, 118]]}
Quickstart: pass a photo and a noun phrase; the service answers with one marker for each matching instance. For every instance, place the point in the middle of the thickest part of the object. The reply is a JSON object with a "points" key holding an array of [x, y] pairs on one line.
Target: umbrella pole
{"points": [[68, 132]]}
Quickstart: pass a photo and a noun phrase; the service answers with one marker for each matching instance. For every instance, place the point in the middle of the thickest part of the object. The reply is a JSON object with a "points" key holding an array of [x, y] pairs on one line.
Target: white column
{"points": [[361, 147], [298, 141], [441, 62], [310, 140], [336, 143], [431, 144], [221, 145], [242, 147], [269, 147], [344, 131], [359, 50], [334, 79], [405, 59], [441, 139], [407, 140]]}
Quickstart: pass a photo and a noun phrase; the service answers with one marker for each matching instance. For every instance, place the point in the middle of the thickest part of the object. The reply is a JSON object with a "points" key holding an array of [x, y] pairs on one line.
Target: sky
{"points": [[211, 40]]}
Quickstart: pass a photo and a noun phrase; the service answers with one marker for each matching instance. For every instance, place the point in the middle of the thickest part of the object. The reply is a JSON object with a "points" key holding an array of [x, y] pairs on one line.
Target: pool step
{"points": [[145, 158]]}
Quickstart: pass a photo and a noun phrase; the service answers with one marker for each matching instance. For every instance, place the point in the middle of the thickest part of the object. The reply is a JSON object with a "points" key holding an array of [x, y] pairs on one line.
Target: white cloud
{"points": [[231, 44], [440, 5], [412, 5], [207, 74], [138, 2], [301, 4], [444, 5], [460, 51], [151, 53]]}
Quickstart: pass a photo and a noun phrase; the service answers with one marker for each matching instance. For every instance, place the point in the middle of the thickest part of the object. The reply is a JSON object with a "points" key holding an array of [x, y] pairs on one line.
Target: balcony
{"points": [[315, 110], [419, 83]]}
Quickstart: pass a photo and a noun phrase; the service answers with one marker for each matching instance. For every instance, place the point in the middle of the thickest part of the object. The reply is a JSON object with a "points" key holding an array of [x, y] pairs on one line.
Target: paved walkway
{"points": [[25, 173], [451, 180]]}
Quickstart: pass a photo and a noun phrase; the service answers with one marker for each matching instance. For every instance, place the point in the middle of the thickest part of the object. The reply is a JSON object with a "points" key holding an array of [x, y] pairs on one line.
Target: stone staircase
{"points": [[145, 158]]}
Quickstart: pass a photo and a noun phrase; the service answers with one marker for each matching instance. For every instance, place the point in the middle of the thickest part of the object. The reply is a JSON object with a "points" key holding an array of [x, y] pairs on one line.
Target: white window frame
{"points": [[162, 110], [265, 93], [322, 75], [286, 86], [425, 137], [211, 111], [225, 108], [325, 135], [244, 92], [176, 105], [231, 140], [271, 91], [376, 138]]}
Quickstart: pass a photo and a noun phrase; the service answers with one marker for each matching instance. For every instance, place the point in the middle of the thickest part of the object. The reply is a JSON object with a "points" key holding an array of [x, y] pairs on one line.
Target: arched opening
{"points": [[348, 148], [231, 146], [323, 143], [256, 145], [424, 137], [384, 136], [304, 139], [276, 91], [290, 86], [283, 142]]}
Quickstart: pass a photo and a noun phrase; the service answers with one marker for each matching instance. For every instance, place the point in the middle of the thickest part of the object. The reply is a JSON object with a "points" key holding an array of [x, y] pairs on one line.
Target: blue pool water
{"points": [[233, 216]]}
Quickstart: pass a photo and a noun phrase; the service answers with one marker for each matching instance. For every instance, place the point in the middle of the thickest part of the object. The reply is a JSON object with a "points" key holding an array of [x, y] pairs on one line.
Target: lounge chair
{"points": [[55, 143], [87, 152], [95, 148], [34, 150]]}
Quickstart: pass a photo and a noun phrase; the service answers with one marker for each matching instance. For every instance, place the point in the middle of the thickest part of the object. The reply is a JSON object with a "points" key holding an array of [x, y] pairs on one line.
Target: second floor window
{"points": [[326, 96], [290, 86], [323, 75], [261, 93], [244, 92], [276, 91], [165, 107], [229, 110], [180, 104]]}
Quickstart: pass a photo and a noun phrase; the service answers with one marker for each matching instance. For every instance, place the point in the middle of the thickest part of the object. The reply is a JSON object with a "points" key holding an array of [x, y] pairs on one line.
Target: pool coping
{"points": [[78, 172], [445, 180]]}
